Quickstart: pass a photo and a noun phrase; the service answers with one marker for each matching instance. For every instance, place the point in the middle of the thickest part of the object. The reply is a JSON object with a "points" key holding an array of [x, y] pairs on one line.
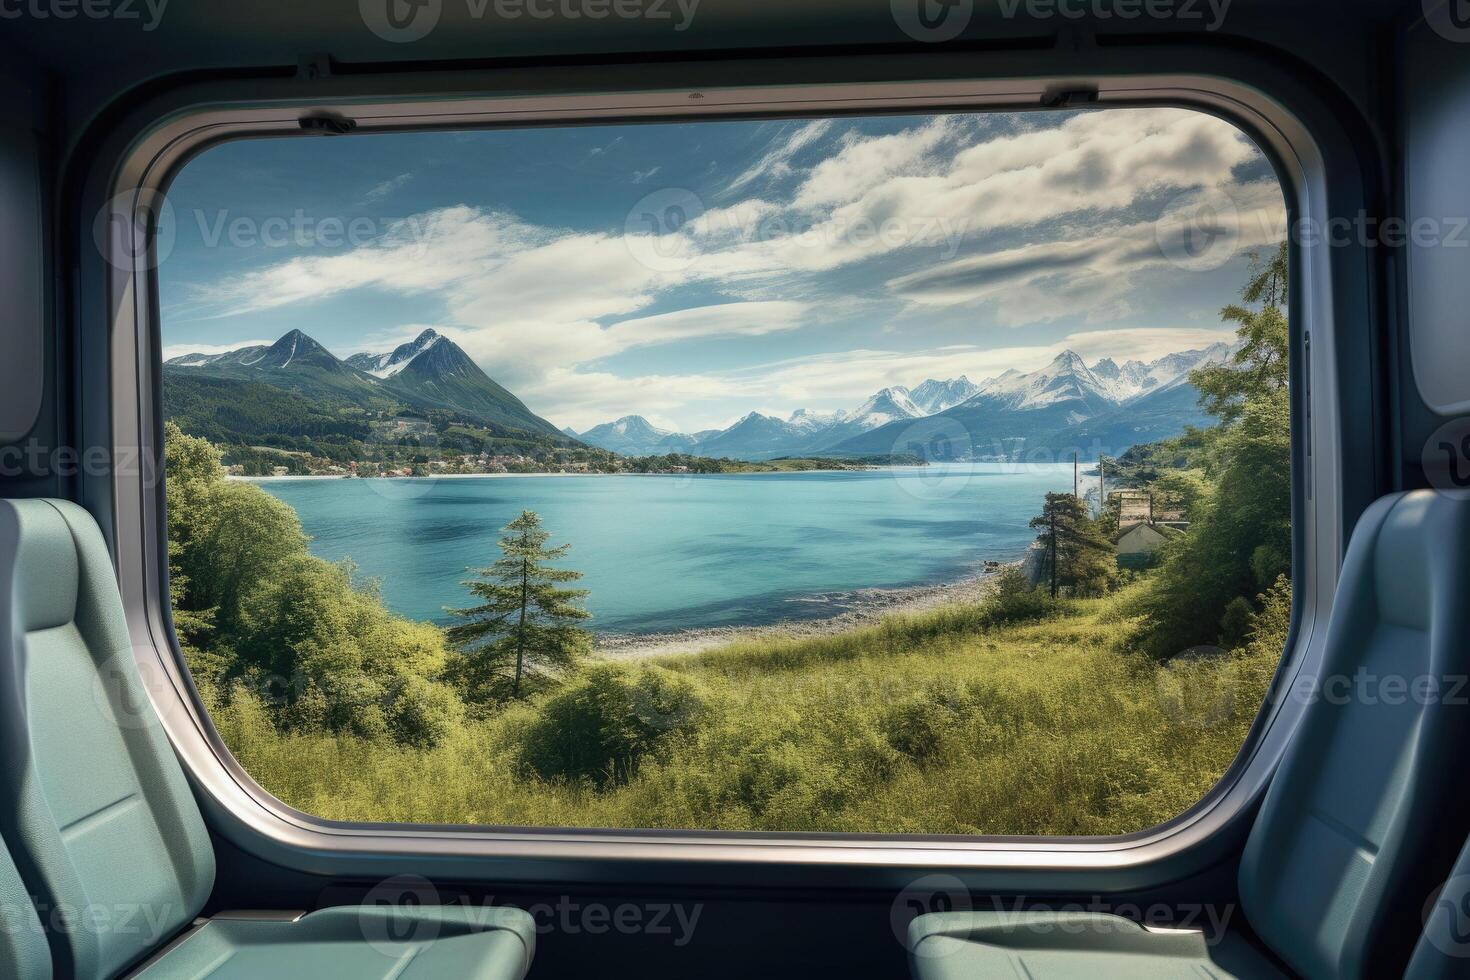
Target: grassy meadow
{"points": [[1018, 715]]}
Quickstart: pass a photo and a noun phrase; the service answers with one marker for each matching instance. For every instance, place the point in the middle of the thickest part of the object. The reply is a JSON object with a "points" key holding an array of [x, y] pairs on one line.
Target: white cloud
{"points": [[529, 356], [1094, 275], [420, 253], [776, 162], [725, 319], [379, 191], [598, 151], [1093, 164], [863, 163], [538, 307], [583, 399]]}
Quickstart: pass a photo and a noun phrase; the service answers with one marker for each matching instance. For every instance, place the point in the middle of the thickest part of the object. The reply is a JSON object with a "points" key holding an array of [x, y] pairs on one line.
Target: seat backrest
{"points": [[23, 953], [93, 803], [1368, 807]]}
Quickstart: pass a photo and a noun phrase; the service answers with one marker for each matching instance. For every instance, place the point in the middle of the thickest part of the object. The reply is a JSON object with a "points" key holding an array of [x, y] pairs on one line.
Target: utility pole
{"points": [[1053, 552], [1074, 476]]}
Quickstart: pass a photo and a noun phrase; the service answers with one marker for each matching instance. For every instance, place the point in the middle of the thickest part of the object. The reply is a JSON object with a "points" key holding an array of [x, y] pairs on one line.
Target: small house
{"points": [[1139, 543]]}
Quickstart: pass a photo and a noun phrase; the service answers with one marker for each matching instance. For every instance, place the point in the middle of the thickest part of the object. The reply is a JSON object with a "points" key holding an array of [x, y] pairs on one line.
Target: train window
{"points": [[894, 474]]}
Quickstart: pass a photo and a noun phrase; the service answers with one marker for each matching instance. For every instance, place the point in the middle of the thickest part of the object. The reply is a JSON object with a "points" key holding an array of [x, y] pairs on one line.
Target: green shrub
{"points": [[1236, 621], [602, 725], [422, 713], [917, 725], [1016, 600]]}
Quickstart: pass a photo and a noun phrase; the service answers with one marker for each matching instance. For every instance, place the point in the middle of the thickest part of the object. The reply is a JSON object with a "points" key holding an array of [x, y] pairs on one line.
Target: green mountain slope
{"points": [[296, 387], [443, 375]]}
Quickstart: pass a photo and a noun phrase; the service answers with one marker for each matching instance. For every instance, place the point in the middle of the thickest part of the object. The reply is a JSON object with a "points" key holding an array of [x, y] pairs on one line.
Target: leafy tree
{"points": [[1239, 542], [328, 656], [524, 628], [1085, 560], [263, 621], [1259, 368]]}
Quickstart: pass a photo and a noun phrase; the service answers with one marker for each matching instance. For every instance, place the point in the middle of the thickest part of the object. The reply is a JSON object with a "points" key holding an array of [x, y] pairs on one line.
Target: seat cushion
{"points": [[358, 942], [1086, 945]]}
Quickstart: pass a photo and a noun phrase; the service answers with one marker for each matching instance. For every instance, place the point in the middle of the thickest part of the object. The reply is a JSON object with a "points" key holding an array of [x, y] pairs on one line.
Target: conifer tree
{"points": [[1077, 556], [525, 626]]}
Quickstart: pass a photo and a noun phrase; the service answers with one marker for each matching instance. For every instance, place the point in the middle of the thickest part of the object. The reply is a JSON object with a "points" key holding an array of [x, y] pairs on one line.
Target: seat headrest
{"points": [[47, 568], [1412, 544]]}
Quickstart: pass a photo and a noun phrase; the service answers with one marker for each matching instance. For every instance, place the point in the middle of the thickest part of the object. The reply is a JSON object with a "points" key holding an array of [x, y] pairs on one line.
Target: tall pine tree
{"points": [[525, 627], [1076, 555]]}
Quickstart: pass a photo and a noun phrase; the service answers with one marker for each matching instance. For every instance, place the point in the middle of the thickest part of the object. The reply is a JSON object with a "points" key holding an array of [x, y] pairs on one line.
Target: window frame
{"points": [[117, 332]]}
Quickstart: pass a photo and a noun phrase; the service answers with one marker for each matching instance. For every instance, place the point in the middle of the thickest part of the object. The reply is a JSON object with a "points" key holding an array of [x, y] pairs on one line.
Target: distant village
{"points": [[304, 464]]}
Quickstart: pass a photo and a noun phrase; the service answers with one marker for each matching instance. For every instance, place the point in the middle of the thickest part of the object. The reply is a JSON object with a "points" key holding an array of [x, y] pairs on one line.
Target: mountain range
{"points": [[1066, 404], [430, 372], [296, 386]]}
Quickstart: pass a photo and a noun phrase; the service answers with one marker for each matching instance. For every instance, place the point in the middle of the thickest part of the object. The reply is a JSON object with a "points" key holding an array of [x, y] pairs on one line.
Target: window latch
{"points": [[1069, 98]]}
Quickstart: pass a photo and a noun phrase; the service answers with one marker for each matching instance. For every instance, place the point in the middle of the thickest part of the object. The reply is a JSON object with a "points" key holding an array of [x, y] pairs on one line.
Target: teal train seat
{"points": [[1361, 822], [109, 850], [23, 951]]}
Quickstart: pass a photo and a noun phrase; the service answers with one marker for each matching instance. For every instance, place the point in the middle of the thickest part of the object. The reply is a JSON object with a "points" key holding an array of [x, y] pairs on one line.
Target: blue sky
{"points": [[692, 272]]}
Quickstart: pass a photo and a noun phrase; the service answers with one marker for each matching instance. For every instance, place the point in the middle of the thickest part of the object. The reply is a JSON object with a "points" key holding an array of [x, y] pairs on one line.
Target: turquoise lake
{"points": [[663, 553]]}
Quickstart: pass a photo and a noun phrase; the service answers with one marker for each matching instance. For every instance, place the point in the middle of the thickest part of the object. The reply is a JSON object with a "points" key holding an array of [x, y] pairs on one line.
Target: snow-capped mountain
{"points": [[1066, 381], [1213, 354], [1136, 375], [1060, 397], [885, 406], [294, 348], [757, 436], [935, 396], [1135, 378], [429, 373], [815, 421], [631, 435], [1015, 408], [389, 364]]}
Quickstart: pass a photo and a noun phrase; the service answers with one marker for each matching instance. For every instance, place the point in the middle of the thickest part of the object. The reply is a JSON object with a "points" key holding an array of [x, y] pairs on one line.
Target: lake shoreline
{"points": [[302, 477], [869, 607]]}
